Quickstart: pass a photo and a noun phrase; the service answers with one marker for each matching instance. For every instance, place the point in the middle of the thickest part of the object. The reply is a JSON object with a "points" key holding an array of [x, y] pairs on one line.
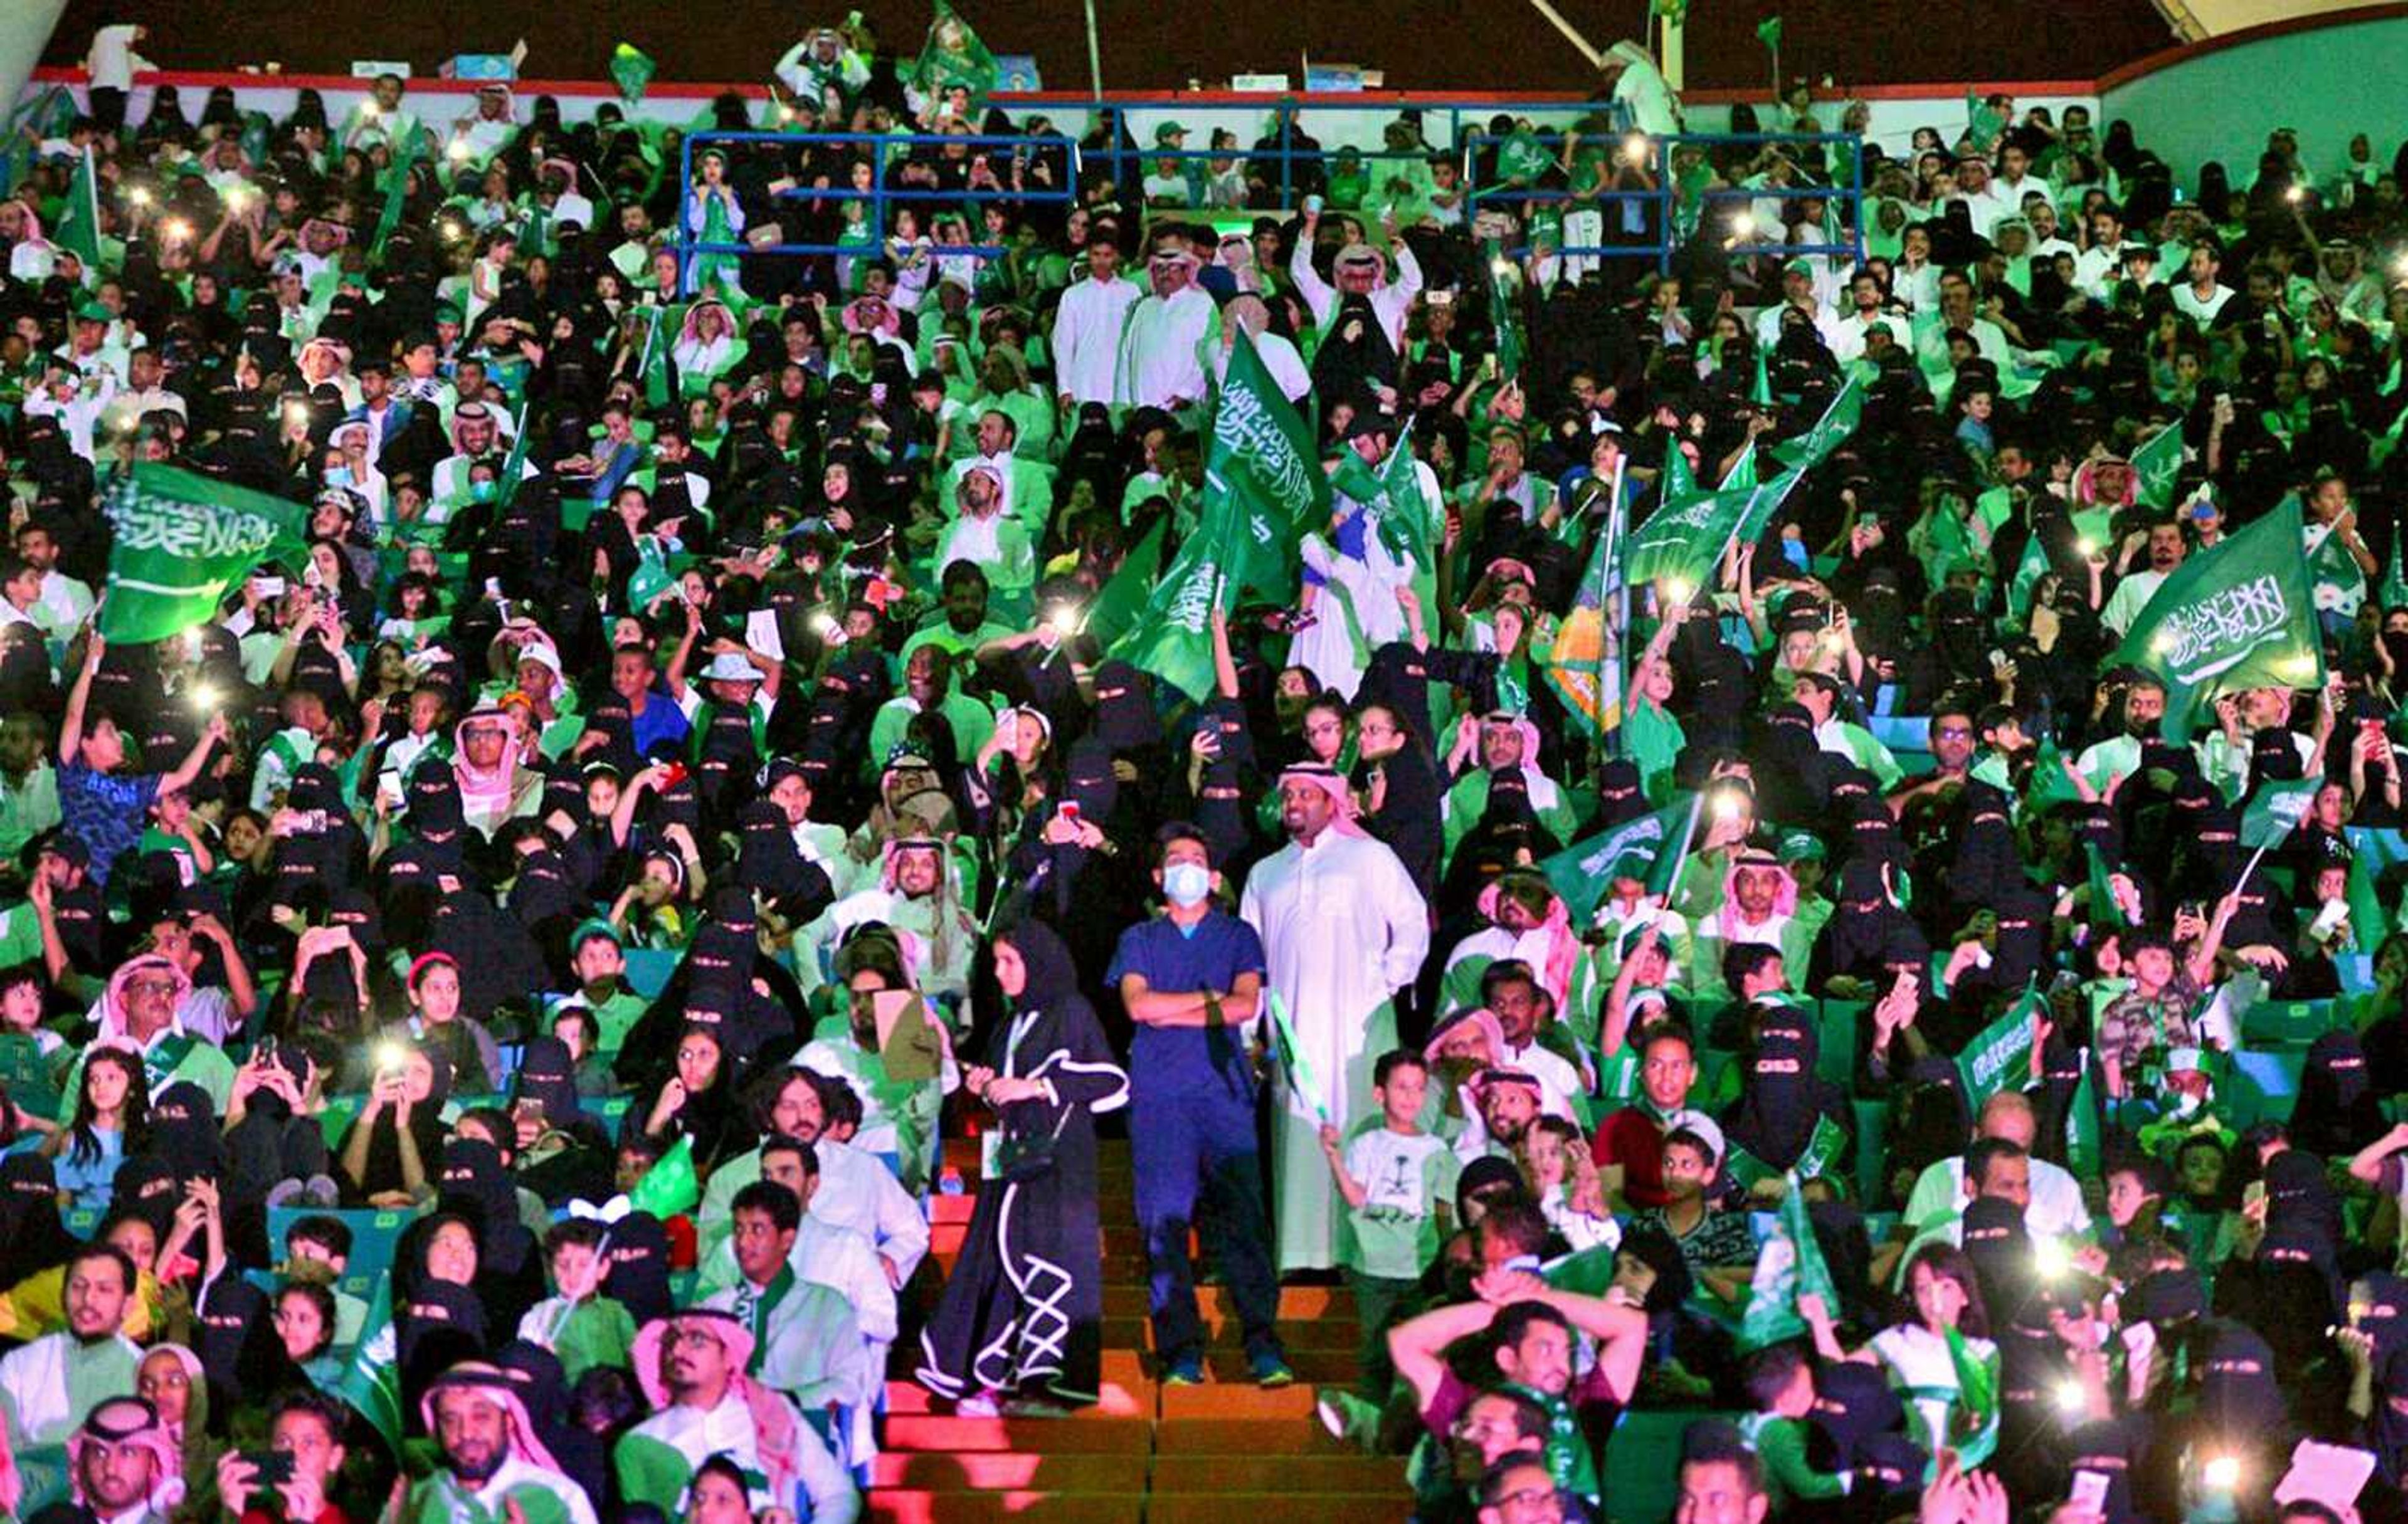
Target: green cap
{"points": [[448, 312], [1168, 130], [590, 928], [94, 312]]}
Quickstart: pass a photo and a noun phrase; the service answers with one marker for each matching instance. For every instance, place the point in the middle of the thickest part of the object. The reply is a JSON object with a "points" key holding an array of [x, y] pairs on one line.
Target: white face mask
{"points": [[1186, 883]]}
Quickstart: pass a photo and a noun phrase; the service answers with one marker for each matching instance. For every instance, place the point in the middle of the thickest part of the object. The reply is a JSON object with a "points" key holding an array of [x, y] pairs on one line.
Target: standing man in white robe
{"points": [[1088, 324], [1343, 929], [1161, 366]]}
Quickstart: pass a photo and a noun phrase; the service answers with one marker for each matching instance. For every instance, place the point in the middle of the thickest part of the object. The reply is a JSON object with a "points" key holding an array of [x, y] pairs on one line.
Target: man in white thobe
{"points": [[1088, 325], [1160, 365], [1358, 270], [1343, 929]]}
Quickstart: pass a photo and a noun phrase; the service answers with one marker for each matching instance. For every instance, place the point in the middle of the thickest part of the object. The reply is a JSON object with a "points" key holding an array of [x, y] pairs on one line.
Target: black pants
{"points": [[109, 110]]}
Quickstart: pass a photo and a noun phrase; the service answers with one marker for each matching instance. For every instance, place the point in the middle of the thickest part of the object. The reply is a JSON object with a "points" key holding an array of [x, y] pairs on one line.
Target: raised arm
{"points": [[71, 729]]}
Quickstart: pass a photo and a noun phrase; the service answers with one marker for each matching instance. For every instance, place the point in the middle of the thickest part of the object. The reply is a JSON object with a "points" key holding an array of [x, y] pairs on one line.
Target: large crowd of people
{"points": [[483, 1010]]}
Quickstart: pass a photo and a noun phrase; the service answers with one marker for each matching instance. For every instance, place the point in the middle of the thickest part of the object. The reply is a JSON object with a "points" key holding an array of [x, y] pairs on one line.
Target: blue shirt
{"points": [[105, 811], [1220, 947], [661, 719]]}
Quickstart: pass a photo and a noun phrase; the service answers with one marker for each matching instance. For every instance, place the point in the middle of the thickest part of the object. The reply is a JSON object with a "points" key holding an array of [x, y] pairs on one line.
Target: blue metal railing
{"points": [[1121, 147], [1664, 198], [1120, 153], [880, 146]]}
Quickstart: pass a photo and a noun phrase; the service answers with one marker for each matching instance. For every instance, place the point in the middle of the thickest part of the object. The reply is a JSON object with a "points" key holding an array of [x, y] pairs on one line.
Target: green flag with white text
{"points": [[180, 542], [2001, 1057], [1173, 637], [2156, 466], [2238, 615], [954, 55], [1790, 1265], [2275, 810], [1839, 420], [1685, 537], [1118, 603], [371, 1382], [79, 227], [1648, 848], [1264, 466]]}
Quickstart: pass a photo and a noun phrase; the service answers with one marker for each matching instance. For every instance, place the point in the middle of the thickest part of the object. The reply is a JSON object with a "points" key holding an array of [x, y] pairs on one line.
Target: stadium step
{"points": [[1184, 1455]]}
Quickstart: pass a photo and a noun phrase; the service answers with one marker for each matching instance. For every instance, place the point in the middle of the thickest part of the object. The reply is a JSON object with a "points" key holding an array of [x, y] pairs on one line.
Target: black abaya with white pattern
{"points": [[1023, 1312]]}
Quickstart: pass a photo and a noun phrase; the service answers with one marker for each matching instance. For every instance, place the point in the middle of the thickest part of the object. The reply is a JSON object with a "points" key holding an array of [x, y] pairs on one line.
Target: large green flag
{"points": [[181, 542], [954, 55], [1789, 1265], [2157, 465], [1648, 847], [2275, 810], [371, 1382], [1117, 604], [2238, 615], [2000, 1058], [1173, 638], [78, 228], [1684, 538], [1263, 465]]}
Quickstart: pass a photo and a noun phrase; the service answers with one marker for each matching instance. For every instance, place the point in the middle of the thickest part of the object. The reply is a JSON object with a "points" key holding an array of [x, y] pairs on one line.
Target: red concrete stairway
{"points": [[1221, 1451]]}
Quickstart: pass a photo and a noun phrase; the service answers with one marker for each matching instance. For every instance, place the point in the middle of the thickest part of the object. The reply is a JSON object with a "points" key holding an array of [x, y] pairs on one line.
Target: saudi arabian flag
{"points": [[1649, 849], [1172, 638], [1790, 1265], [1264, 467], [953, 55], [1839, 420], [1116, 607], [670, 1187], [633, 69], [181, 542], [79, 229], [2393, 591], [2238, 615], [1684, 538], [2156, 466], [372, 1382], [2001, 1057], [2275, 810], [1584, 663]]}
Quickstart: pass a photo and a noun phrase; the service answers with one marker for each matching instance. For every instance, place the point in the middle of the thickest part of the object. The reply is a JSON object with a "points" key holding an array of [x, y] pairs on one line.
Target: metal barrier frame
{"points": [[690, 243], [1123, 154], [1661, 150]]}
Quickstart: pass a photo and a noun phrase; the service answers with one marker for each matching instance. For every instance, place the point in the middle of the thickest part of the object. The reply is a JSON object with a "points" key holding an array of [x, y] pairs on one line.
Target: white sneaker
{"points": [[984, 1405]]}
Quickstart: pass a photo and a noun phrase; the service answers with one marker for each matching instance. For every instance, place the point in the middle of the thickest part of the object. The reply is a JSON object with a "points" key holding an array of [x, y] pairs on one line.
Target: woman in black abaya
{"points": [[1022, 1317]]}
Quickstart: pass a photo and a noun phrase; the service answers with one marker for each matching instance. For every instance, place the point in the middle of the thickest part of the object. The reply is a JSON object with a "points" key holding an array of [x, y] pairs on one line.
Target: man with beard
{"points": [[2164, 545], [2120, 756], [1342, 929], [492, 1464], [691, 1367], [48, 1387], [1508, 1101], [1160, 364]]}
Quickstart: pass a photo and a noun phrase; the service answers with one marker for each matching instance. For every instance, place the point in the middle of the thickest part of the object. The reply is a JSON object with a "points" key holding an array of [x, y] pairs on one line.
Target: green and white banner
{"points": [[181, 541]]}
